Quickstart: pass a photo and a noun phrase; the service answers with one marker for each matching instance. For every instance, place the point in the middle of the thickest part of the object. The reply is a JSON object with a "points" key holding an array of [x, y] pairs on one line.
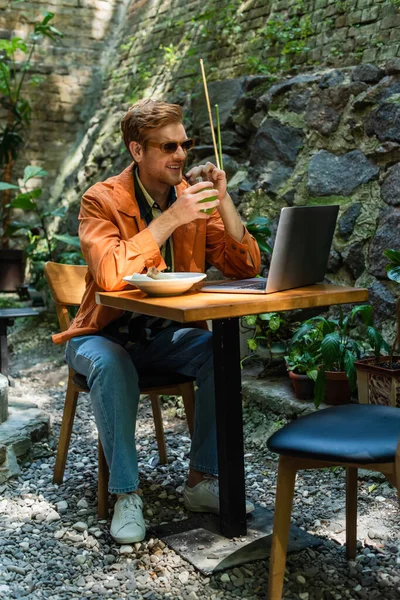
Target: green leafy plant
{"points": [[393, 273], [268, 328], [271, 333], [41, 242], [259, 229], [335, 344], [304, 355], [13, 76]]}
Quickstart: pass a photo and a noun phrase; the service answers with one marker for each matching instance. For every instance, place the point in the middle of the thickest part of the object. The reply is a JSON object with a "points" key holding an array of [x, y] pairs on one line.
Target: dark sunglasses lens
{"points": [[187, 145], [170, 147]]}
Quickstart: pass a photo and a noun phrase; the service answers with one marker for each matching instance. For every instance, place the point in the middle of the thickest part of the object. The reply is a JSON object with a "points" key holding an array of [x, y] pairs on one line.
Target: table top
{"points": [[201, 306]]}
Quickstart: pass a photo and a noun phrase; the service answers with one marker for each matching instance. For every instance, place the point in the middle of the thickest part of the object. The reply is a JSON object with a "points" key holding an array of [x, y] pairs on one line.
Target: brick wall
{"points": [[157, 53], [71, 70]]}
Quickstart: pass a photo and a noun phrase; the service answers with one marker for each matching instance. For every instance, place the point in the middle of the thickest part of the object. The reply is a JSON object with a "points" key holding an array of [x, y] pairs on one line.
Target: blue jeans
{"points": [[112, 376]]}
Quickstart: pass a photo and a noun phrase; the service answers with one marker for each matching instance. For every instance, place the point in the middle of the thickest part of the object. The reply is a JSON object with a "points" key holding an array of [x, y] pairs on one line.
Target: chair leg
{"points": [[280, 537], [351, 512], [102, 484], [158, 424], [188, 397], [71, 400]]}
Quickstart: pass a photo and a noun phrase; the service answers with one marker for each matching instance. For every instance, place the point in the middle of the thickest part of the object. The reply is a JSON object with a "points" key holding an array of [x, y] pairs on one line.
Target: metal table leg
{"points": [[228, 393]]}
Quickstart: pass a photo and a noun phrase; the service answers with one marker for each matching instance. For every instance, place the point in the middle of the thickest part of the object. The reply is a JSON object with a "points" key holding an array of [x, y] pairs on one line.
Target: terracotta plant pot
{"points": [[12, 269], [337, 388], [378, 384], [302, 385]]}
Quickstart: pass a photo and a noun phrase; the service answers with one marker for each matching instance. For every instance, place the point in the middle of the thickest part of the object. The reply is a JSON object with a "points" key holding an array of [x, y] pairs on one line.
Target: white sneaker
{"points": [[204, 497], [127, 525]]}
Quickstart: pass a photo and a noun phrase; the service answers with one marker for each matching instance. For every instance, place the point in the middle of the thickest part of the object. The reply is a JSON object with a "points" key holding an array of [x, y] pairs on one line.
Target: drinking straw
{"points": [[219, 136], [209, 113]]}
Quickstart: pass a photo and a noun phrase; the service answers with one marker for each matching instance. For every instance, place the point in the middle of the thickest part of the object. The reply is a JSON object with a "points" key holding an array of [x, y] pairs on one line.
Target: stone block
{"points": [[3, 398], [24, 426], [388, 52], [369, 55], [370, 15], [9, 468], [390, 22], [354, 17]]}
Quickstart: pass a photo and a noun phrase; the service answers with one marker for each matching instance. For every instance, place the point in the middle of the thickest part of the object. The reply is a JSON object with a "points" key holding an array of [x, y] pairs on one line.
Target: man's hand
{"points": [[185, 209], [209, 172], [188, 205]]}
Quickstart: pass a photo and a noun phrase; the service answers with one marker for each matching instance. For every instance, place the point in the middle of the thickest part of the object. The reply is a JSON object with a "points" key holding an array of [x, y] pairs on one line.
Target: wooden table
{"points": [[225, 310]]}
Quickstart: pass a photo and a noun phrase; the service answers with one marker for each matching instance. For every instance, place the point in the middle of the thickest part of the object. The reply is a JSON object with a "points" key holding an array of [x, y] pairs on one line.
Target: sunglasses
{"points": [[172, 147]]}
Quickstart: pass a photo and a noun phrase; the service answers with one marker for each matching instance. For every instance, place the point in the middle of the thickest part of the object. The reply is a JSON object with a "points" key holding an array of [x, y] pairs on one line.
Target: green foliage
{"points": [[259, 229], [269, 328], [393, 267], [335, 345], [42, 245], [283, 38], [219, 23], [393, 273], [343, 5], [394, 2], [13, 74], [305, 353]]}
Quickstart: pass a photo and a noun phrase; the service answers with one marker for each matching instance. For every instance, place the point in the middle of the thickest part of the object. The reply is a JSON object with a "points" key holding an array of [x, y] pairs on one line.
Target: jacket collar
{"points": [[124, 192]]}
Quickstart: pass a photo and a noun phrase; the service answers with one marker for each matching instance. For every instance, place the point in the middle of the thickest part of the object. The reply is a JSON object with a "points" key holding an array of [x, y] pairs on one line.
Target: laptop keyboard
{"points": [[245, 285]]}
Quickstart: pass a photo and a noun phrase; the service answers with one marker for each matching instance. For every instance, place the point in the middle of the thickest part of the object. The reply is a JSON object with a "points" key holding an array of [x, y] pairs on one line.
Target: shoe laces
{"points": [[211, 483], [130, 510]]}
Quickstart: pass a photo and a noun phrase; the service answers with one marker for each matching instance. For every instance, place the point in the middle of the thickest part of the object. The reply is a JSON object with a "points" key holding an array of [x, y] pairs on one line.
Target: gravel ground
{"points": [[54, 547]]}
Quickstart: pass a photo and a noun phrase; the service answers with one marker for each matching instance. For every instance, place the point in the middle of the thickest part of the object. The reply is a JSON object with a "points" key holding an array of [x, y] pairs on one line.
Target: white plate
{"points": [[169, 284]]}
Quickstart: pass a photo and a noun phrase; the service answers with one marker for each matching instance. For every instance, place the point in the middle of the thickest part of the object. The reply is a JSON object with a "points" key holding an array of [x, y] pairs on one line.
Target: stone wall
{"points": [[327, 135], [158, 47], [71, 71]]}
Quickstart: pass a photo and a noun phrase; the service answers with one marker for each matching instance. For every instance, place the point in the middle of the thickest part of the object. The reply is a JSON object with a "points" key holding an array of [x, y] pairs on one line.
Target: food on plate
{"points": [[154, 273]]}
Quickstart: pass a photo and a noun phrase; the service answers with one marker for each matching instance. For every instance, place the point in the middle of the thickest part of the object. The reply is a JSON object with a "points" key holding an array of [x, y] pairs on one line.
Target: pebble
{"points": [[183, 577], [75, 552], [52, 516], [80, 526], [62, 506]]}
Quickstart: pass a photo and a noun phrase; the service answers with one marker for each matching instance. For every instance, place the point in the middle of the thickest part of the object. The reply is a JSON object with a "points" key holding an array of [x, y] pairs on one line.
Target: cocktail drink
{"points": [[206, 210]]}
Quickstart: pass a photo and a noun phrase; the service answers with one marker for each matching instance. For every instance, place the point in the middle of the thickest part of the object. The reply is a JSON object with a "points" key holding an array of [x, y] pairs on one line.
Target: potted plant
{"points": [[271, 334], [341, 342], [302, 363], [41, 242], [379, 376], [14, 75]]}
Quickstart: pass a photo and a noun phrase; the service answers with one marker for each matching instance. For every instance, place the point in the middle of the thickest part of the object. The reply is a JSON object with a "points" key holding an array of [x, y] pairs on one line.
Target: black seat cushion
{"points": [[147, 379], [360, 433]]}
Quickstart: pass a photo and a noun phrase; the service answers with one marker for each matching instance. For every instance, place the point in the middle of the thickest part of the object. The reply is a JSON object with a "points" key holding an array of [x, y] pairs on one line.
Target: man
{"points": [[149, 216]]}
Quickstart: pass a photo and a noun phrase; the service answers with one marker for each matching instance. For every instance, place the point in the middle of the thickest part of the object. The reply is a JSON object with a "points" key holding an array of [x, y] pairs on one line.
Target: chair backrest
{"points": [[67, 285]]}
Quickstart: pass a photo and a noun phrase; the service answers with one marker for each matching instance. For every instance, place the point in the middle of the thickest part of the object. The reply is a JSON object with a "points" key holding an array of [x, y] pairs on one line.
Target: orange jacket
{"points": [[115, 242]]}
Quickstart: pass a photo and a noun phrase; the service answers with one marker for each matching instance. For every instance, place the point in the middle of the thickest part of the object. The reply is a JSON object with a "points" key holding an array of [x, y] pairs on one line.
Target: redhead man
{"points": [[150, 216]]}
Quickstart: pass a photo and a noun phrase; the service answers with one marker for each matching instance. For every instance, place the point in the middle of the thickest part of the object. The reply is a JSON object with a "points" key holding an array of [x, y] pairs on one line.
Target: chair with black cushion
{"points": [[354, 436], [67, 285]]}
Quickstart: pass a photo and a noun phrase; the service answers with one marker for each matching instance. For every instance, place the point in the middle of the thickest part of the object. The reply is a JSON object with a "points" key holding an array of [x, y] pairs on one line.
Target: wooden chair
{"points": [[353, 436], [67, 284]]}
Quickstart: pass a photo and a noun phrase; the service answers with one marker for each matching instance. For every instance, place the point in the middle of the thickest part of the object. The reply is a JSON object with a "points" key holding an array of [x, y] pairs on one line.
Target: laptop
{"points": [[300, 255]]}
